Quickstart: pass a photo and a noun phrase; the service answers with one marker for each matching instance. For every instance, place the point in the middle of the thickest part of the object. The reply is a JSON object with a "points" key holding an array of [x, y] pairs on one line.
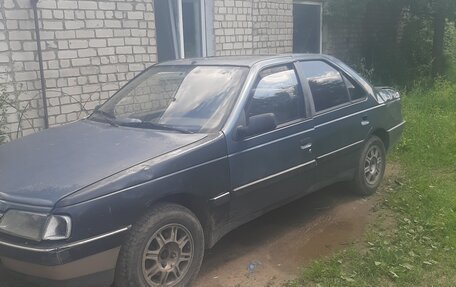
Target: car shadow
{"points": [[255, 234], [276, 224]]}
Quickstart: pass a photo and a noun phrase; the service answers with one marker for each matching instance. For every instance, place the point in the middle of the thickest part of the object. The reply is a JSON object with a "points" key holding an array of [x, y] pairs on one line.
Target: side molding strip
{"points": [[350, 115], [275, 175], [395, 127], [220, 196], [271, 142], [339, 150]]}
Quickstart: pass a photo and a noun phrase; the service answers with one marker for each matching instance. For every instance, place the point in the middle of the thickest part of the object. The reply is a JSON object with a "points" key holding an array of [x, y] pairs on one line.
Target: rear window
{"points": [[326, 84]]}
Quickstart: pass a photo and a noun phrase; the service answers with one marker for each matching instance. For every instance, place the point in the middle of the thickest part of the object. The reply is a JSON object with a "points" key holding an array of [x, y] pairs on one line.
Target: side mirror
{"points": [[256, 125]]}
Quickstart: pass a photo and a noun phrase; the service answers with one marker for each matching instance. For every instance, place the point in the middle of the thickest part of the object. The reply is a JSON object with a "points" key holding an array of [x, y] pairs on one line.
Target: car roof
{"points": [[247, 61]]}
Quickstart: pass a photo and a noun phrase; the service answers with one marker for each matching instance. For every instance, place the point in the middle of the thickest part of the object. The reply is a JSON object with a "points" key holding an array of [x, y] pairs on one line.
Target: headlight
{"points": [[36, 226]]}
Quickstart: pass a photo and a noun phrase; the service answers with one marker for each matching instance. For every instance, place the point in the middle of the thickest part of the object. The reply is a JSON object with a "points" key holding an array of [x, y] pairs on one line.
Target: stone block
{"points": [[112, 23], [87, 5], [77, 24], [87, 53], [20, 35], [106, 5], [62, 4], [53, 25], [92, 70], [4, 46], [17, 14], [104, 33], [68, 72], [135, 15], [70, 54], [106, 51], [74, 90], [80, 62], [23, 56], [124, 6], [78, 44], [116, 42], [25, 76]]}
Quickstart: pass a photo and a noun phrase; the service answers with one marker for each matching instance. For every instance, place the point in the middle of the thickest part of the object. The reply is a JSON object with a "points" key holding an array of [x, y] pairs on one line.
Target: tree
{"points": [[442, 10], [404, 40]]}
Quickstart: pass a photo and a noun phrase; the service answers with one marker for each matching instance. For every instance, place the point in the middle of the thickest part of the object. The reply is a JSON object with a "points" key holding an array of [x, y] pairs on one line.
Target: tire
{"points": [[179, 256], [368, 177]]}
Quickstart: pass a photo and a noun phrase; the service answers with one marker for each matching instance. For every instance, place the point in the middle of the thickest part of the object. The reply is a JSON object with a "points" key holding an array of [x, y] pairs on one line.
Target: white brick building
{"points": [[91, 48]]}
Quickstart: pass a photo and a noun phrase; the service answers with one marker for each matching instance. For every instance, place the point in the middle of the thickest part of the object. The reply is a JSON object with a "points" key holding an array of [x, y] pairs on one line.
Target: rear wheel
{"points": [[371, 167], [165, 248]]}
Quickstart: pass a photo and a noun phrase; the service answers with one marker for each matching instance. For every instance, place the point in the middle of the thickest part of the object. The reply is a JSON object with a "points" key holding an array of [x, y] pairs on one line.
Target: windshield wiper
{"points": [[106, 117], [149, 125]]}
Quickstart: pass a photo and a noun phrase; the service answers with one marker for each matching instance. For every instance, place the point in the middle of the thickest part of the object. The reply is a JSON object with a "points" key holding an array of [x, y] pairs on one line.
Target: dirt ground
{"points": [[270, 250], [278, 244]]}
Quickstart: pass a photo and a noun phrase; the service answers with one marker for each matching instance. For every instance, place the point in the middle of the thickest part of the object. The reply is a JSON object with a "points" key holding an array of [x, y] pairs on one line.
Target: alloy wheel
{"points": [[168, 256], [373, 165]]}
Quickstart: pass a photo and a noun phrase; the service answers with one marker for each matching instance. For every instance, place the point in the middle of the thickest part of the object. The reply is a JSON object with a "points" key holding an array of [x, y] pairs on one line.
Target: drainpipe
{"points": [[40, 62]]}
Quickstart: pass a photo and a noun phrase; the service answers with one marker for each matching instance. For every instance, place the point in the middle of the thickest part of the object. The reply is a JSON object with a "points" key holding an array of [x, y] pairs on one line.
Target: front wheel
{"points": [[165, 248], [371, 167]]}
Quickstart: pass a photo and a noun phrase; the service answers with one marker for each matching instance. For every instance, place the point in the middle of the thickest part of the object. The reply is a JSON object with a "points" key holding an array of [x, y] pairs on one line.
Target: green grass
{"points": [[417, 247]]}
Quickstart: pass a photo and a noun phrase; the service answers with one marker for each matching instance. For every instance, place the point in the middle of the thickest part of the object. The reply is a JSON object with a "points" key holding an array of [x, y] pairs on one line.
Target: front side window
{"points": [[326, 84], [185, 98], [277, 92]]}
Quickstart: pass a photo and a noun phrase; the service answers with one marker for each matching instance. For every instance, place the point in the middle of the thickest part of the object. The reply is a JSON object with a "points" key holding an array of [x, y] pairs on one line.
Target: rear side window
{"points": [[277, 92], [354, 89], [326, 84]]}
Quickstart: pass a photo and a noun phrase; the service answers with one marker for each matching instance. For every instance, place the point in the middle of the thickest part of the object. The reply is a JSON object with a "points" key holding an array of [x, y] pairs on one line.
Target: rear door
{"points": [[270, 168], [340, 123]]}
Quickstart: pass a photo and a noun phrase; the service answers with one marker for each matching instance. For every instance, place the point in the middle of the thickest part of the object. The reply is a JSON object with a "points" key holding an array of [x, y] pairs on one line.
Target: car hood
{"points": [[41, 169]]}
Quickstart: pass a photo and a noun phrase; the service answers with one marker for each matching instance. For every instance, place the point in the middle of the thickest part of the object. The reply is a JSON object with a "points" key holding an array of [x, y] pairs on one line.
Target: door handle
{"points": [[365, 121], [307, 147]]}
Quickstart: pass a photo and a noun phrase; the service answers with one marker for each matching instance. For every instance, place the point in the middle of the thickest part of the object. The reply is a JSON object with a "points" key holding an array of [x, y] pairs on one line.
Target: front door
{"points": [[270, 168]]}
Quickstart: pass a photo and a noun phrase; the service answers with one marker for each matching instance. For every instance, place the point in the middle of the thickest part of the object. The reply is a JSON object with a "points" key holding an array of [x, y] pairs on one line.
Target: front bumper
{"points": [[93, 259]]}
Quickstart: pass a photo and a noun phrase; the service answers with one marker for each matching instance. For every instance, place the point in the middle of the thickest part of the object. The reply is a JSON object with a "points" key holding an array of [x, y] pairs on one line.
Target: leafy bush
{"points": [[399, 38], [450, 50], [415, 50], [430, 126]]}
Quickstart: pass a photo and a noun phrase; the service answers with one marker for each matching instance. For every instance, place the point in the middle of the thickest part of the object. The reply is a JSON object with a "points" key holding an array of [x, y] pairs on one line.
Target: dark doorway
{"points": [[191, 11], [307, 27]]}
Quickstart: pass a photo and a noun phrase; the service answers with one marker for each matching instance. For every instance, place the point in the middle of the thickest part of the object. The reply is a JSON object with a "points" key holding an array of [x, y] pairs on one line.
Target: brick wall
{"points": [[233, 27], [272, 26], [90, 49], [245, 27], [18, 65]]}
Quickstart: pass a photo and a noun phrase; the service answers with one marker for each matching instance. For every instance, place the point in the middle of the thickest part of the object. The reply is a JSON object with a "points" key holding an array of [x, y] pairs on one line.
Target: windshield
{"points": [[193, 99]]}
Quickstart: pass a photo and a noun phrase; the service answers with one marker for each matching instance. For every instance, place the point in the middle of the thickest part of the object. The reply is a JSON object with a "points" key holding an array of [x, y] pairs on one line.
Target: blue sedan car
{"points": [[184, 153]]}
